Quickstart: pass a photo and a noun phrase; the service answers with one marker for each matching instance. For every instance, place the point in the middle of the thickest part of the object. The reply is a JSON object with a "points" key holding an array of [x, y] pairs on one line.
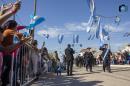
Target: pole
{"points": [[35, 7], [35, 10]]}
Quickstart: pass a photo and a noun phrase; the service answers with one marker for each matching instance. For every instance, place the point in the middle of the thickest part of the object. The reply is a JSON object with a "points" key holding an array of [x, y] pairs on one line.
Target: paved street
{"points": [[120, 76]]}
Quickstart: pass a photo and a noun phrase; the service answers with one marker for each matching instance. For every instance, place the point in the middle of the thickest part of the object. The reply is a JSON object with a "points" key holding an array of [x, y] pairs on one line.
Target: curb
{"points": [[118, 66]]}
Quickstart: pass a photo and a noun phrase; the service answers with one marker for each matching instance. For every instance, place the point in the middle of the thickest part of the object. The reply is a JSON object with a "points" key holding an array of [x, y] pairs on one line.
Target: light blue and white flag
{"points": [[98, 28], [92, 8], [75, 38], [103, 35], [91, 5], [60, 38]]}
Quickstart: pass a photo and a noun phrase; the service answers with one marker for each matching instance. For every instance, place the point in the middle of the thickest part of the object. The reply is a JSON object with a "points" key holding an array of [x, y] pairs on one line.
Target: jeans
{"points": [[69, 67], [6, 69]]}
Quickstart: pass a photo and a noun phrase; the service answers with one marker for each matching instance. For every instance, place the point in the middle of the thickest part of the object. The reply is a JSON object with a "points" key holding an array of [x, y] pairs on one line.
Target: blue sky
{"points": [[70, 17]]}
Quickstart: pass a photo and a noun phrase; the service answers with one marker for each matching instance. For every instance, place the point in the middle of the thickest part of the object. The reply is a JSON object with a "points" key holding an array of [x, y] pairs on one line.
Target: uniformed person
{"points": [[69, 59], [88, 56], [106, 54]]}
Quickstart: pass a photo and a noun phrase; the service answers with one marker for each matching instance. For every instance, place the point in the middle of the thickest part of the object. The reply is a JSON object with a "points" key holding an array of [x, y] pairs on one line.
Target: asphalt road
{"points": [[120, 76]]}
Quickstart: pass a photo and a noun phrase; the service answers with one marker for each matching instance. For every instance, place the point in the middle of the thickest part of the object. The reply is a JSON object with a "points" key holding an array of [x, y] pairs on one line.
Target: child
{"points": [[59, 68]]}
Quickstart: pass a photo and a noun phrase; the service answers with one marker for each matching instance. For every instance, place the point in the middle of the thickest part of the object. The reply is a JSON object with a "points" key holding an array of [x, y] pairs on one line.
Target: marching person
{"points": [[106, 54], [88, 56], [69, 59]]}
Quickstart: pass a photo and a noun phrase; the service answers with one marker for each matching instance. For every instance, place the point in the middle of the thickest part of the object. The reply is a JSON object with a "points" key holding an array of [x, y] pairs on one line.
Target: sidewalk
{"points": [[118, 65]]}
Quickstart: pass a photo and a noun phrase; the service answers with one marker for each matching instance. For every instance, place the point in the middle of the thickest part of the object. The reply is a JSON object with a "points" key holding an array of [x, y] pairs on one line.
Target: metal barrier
{"points": [[26, 64]]}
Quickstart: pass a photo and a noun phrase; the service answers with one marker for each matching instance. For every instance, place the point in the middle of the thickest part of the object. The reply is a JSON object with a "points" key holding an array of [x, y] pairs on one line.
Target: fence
{"points": [[25, 67]]}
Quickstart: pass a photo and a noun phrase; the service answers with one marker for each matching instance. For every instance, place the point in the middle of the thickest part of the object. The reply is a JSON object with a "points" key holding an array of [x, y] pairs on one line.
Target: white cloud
{"points": [[67, 29], [126, 26], [53, 32], [70, 28], [123, 27], [112, 28], [76, 27], [84, 25]]}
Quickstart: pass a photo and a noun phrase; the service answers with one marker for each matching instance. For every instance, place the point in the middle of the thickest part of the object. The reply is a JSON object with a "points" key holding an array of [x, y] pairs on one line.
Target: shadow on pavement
{"points": [[63, 80], [88, 73], [120, 69]]}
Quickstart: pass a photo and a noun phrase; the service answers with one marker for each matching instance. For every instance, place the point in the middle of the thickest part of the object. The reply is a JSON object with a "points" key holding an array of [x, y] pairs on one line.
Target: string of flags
{"points": [[75, 39], [94, 25], [46, 36], [117, 20], [35, 20], [126, 34], [94, 22], [60, 38]]}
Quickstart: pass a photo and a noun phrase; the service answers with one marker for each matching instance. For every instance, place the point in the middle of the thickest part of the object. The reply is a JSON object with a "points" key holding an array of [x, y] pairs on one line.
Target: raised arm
{"points": [[10, 12], [5, 8], [13, 47]]}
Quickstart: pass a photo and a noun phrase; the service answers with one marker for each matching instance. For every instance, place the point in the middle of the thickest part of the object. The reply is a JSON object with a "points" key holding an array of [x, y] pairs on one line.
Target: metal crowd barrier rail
{"points": [[26, 64]]}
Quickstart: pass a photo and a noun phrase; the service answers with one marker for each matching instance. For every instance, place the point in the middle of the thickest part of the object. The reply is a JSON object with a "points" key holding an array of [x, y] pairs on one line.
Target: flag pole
{"points": [[35, 10]]}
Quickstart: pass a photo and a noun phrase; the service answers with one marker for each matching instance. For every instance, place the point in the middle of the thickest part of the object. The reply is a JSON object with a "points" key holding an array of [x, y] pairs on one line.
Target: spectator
{"points": [[5, 13], [49, 62], [56, 56], [8, 34], [35, 57], [44, 53]]}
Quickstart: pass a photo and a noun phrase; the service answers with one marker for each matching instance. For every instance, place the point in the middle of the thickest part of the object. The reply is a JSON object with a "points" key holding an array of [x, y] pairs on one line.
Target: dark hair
{"points": [[69, 45], [10, 24]]}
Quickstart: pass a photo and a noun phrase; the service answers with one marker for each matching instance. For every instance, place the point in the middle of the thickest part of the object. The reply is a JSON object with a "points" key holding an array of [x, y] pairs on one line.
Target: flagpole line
{"points": [[91, 5], [112, 17], [35, 10]]}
